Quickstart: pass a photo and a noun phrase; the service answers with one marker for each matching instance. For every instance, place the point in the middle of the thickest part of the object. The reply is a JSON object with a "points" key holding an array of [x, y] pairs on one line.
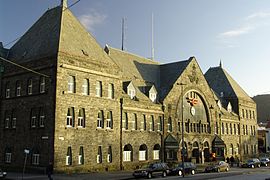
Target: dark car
{"points": [[265, 161], [153, 169], [252, 163], [177, 169], [218, 167], [2, 174]]}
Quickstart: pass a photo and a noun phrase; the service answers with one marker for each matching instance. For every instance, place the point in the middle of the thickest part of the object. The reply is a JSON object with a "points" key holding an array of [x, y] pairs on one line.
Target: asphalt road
{"points": [[234, 173]]}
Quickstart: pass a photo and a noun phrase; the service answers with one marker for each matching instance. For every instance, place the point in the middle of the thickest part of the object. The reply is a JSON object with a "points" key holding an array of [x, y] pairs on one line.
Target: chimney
{"points": [[64, 3]]}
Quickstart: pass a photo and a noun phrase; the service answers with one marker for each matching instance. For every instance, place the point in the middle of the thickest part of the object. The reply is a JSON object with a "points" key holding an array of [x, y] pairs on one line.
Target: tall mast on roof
{"points": [[123, 34], [153, 51]]}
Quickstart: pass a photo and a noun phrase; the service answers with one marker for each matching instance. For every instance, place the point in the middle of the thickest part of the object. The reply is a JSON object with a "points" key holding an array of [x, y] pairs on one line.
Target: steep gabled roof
{"points": [[169, 73], [220, 81], [41, 40], [135, 67], [58, 30]]}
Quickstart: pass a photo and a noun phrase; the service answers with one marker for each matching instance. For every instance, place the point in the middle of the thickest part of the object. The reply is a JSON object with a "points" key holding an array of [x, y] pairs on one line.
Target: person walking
{"points": [[49, 171]]}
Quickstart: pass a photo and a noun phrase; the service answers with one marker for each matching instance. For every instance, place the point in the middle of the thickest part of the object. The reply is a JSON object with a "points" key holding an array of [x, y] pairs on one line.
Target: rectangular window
{"points": [[41, 117], [142, 155], [42, 85], [111, 91], [7, 122], [152, 124], [133, 122], [155, 154], [85, 87], [35, 159], [160, 124], [8, 93], [126, 156], [99, 89], [125, 121], [33, 118], [8, 157], [71, 84], [81, 118], [18, 88], [14, 121], [30, 87], [109, 120]]}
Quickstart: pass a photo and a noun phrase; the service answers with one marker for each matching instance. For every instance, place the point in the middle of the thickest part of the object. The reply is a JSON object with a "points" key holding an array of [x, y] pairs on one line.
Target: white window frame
{"points": [[18, 89], [30, 87], [68, 160], [100, 120], [8, 93], [42, 85], [71, 84], [153, 97], [111, 91], [109, 121], [131, 93], [85, 87], [155, 154], [35, 159], [126, 156], [69, 121], [142, 155], [80, 157], [98, 89], [80, 122], [41, 120], [8, 156]]}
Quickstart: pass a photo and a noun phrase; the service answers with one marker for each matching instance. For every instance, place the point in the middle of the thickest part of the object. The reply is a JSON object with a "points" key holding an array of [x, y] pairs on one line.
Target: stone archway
{"points": [[195, 152]]}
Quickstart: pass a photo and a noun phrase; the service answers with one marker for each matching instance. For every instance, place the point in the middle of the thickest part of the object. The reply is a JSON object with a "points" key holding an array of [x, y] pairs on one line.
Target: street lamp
{"points": [[183, 151]]}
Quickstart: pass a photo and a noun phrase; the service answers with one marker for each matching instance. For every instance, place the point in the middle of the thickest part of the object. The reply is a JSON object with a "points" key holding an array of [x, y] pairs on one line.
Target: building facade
{"points": [[87, 108]]}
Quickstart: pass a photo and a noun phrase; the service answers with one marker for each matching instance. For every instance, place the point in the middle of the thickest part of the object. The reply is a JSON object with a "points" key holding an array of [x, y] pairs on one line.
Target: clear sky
{"points": [[237, 32]]}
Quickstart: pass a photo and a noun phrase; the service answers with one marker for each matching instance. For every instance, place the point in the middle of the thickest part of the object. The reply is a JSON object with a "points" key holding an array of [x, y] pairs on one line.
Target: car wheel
{"points": [[192, 172], [259, 165], [180, 173], [252, 166], [218, 170], [164, 174], [149, 175]]}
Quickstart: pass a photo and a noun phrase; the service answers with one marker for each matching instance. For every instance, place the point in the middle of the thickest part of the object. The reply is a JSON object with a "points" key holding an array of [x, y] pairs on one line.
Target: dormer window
{"points": [[131, 90], [153, 94], [229, 108]]}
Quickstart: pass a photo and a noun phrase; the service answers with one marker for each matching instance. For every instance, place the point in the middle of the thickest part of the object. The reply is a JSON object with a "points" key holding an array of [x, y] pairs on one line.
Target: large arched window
{"points": [[127, 153], [143, 153]]}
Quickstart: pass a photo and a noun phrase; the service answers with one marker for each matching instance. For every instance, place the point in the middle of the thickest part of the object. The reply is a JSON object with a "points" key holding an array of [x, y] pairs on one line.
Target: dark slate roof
{"points": [[58, 30], [169, 73], [42, 39], [220, 81], [134, 67]]}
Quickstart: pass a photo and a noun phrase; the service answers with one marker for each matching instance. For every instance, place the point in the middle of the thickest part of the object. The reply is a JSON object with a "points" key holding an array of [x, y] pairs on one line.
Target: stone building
{"points": [[87, 108]]}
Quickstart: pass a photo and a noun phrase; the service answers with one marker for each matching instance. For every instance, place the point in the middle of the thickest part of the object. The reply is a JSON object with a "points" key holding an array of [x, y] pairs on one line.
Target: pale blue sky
{"points": [[235, 31]]}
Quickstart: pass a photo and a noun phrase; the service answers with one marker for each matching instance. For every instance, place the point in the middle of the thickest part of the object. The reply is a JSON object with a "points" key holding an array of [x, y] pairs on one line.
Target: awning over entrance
{"points": [[217, 142], [171, 142]]}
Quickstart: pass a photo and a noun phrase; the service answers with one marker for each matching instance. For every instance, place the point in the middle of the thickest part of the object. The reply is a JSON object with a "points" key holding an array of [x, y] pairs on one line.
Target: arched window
{"points": [[100, 119], [143, 153], [35, 156], [69, 156], [85, 87], [109, 120], [81, 156], [70, 117], [111, 91], [81, 118], [99, 155], [71, 84], [127, 153], [109, 157], [156, 152]]}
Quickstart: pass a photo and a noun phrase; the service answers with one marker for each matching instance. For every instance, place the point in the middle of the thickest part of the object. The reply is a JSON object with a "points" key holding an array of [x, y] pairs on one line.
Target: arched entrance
{"points": [[196, 152]]}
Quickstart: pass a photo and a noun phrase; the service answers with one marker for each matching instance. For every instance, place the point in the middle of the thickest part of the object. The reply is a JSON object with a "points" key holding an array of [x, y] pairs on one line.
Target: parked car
{"points": [[265, 161], [3, 174], [177, 168], [218, 167], [252, 163], [153, 169]]}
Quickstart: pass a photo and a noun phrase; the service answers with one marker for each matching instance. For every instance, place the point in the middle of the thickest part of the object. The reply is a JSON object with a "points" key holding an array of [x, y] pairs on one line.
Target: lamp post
{"points": [[183, 151]]}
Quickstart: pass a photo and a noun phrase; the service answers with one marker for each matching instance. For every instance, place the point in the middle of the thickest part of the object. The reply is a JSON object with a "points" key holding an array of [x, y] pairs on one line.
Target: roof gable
{"points": [[223, 84]]}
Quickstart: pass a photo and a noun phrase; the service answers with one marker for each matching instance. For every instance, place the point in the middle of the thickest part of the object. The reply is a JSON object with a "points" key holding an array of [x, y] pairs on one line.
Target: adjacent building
{"points": [[87, 108]]}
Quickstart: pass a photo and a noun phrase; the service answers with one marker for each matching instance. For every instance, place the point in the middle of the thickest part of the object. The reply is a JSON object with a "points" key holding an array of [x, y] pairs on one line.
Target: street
{"points": [[234, 173]]}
